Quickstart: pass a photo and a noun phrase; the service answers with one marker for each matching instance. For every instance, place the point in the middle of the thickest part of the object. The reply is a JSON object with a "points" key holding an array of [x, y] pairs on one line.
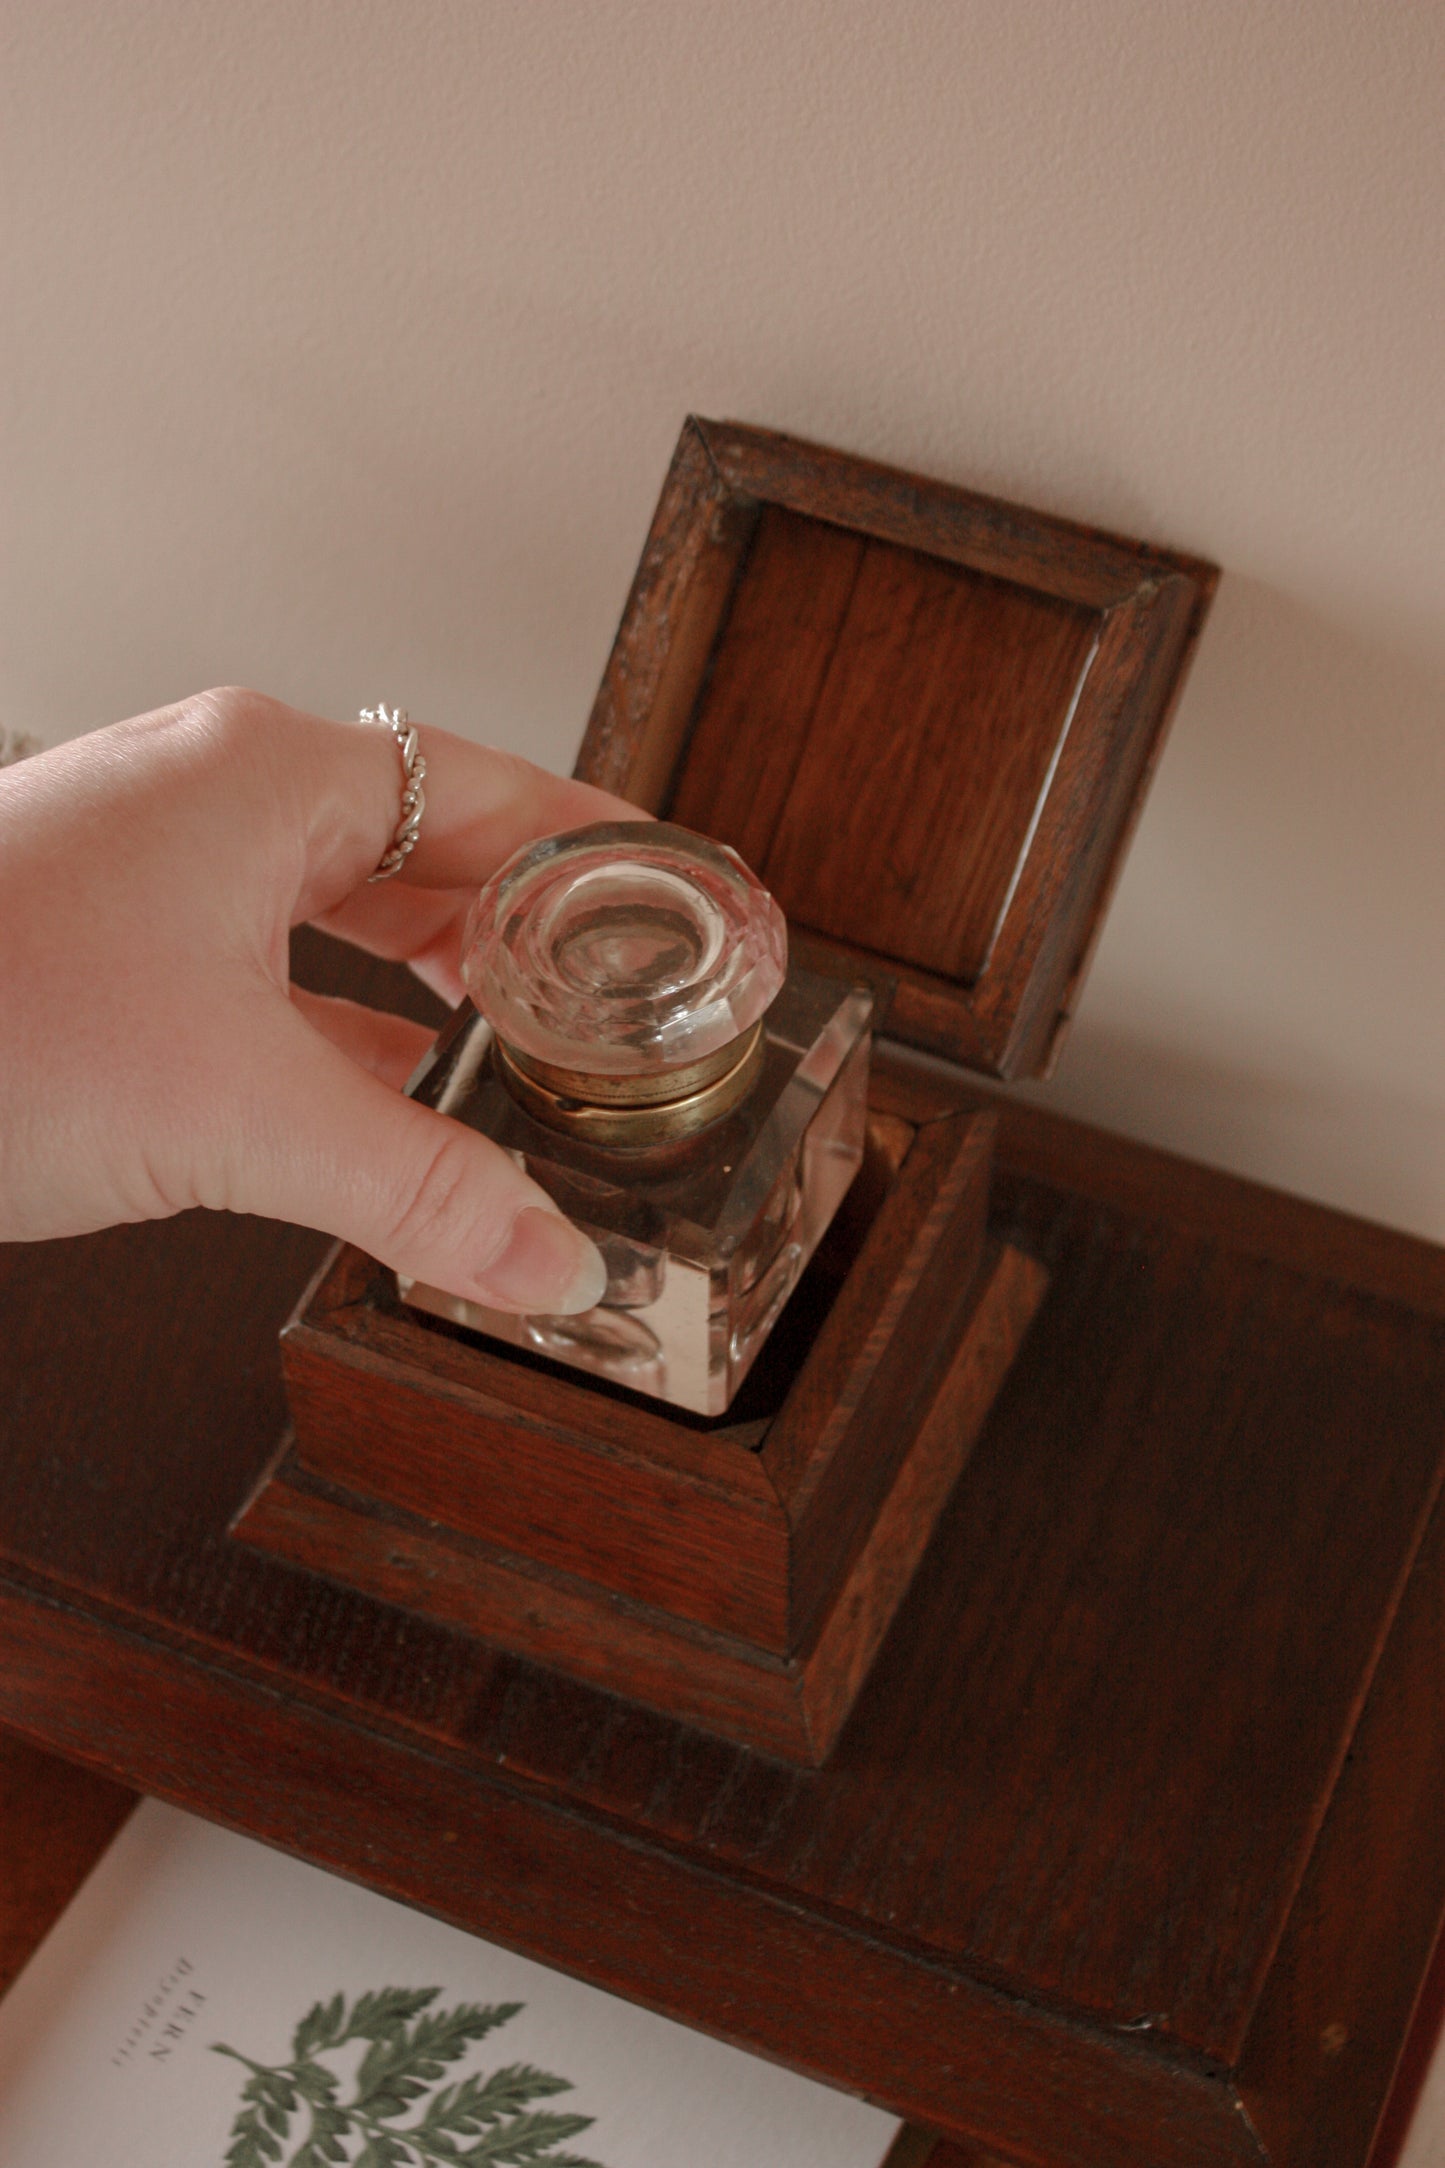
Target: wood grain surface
{"points": [[789, 1702], [918, 705], [1141, 1758], [748, 1526], [927, 718]]}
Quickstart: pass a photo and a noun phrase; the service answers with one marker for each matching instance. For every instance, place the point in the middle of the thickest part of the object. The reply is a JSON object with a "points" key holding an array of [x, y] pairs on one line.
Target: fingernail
{"points": [[548, 1268]]}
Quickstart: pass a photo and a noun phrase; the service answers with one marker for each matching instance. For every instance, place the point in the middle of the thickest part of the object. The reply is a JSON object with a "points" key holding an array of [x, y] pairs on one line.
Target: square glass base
{"points": [[704, 1240]]}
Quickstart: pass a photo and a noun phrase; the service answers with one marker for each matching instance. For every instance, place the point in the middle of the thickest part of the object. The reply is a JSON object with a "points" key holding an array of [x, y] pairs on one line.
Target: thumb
{"points": [[326, 1145]]}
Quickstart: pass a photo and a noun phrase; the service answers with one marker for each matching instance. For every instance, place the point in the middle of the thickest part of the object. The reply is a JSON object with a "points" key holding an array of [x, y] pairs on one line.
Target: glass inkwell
{"points": [[643, 1049]]}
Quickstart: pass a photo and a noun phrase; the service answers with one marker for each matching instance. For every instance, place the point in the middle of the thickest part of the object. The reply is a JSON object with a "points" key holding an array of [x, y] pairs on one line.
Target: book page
{"points": [[208, 2003]]}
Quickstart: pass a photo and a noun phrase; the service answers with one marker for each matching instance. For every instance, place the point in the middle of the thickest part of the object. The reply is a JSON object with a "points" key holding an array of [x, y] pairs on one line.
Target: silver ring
{"points": [[413, 797]]}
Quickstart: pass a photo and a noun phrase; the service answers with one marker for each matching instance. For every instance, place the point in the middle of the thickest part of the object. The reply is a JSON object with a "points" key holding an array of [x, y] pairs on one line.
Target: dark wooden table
{"points": [[1132, 1850]]}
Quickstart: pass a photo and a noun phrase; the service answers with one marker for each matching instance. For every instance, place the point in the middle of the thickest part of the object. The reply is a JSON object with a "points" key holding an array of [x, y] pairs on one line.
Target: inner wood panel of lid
{"points": [[876, 735]]}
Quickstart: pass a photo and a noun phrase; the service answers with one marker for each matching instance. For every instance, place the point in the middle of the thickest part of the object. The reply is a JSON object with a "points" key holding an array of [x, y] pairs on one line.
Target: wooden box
{"points": [[926, 719]]}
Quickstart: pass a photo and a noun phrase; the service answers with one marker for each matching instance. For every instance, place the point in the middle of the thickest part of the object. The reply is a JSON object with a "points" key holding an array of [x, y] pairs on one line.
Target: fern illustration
{"points": [[481, 2121]]}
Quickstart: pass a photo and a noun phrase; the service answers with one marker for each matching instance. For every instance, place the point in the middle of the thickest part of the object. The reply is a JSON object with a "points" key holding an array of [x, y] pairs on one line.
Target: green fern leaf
{"points": [[399, 2066], [479, 2100], [481, 2121], [526, 2138], [315, 2083], [319, 2153], [323, 2026], [329, 2126], [378, 2015], [383, 2151], [243, 2152], [252, 2145]]}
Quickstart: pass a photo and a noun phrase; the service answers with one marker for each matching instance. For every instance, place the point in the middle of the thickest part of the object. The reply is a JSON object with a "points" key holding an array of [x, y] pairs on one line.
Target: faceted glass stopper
{"points": [[623, 949]]}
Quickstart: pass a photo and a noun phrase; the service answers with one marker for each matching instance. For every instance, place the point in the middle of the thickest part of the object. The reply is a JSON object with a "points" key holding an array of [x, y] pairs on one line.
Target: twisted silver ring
{"points": [[413, 797]]}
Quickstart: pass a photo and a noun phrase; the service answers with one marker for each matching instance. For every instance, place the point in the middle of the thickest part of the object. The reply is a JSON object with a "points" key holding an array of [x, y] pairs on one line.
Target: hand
{"points": [[154, 1054]]}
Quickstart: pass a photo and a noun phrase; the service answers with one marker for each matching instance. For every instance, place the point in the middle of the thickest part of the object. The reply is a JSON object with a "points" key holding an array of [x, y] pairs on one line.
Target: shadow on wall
{"points": [[1270, 992]]}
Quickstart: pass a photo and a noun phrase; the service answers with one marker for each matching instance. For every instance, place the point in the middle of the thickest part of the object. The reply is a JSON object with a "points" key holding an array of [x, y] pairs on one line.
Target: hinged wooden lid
{"points": [[925, 717]]}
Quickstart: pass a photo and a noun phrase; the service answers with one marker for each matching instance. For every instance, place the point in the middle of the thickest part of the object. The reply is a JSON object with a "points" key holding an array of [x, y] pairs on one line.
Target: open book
{"points": [[207, 2003]]}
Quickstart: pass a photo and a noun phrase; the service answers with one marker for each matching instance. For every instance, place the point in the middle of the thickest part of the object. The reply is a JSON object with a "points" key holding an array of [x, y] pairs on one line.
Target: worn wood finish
{"points": [[739, 1575], [781, 633], [762, 1516], [926, 717], [1342, 1989], [502, 1857], [55, 1821], [790, 1704], [1061, 557], [1145, 1755], [1322, 2076], [846, 756]]}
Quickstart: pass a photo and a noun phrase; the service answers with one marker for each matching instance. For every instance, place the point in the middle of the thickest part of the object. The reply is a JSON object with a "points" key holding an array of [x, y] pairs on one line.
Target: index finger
{"points": [[481, 805]]}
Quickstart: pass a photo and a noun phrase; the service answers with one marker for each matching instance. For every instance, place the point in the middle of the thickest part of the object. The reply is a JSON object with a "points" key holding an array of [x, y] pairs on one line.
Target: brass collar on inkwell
{"points": [[625, 969]]}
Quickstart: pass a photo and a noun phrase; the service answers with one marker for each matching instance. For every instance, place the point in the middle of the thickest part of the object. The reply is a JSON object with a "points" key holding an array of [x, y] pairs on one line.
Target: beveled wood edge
{"points": [[698, 539], [790, 1703], [1407, 1582], [406, 1351], [1412, 2067], [371, 1418], [1084, 1160], [943, 519], [151, 1713], [610, 1643], [1105, 756], [1109, 1168], [1308, 2030], [1011, 1286], [899, 1342], [334, 1319], [948, 1159], [1046, 1058], [947, 2153]]}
